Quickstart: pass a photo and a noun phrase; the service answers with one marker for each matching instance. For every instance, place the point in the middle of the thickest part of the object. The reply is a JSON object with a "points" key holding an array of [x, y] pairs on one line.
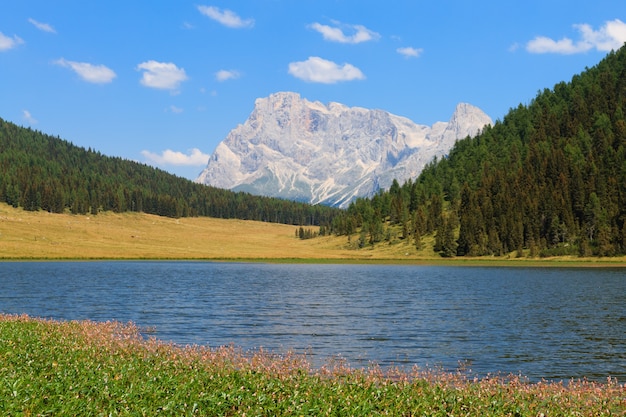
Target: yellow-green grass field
{"points": [[43, 235], [107, 235]]}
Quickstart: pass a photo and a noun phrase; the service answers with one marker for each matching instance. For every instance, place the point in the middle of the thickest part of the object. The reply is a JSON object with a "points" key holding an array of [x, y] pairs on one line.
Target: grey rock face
{"points": [[330, 154]]}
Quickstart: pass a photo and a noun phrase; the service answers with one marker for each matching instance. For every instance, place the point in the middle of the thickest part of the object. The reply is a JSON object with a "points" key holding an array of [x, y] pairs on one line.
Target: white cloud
{"points": [[543, 45], [318, 70], [42, 26], [28, 118], [195, 157], [609, 37], [175, 109], [410, 52], [226, 17], [224, 75], [161, 75], [97, 74], [7, 43], [336, 34]]}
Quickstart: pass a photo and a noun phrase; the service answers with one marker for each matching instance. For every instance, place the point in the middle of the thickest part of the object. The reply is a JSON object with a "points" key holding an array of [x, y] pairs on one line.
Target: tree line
{"points": [[41, 172], [548, 179]]}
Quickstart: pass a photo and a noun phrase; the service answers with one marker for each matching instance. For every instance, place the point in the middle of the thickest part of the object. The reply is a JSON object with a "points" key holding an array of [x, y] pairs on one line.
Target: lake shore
{"points": [[75, 368], [136, 236]]}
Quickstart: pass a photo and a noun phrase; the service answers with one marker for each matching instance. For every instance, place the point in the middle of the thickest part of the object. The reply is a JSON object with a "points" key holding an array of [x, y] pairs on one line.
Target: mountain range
{"points": [[307, 151]]}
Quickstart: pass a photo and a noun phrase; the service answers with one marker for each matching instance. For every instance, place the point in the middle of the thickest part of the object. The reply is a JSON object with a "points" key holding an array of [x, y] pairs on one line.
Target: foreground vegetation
{"points": [[88, 368]]}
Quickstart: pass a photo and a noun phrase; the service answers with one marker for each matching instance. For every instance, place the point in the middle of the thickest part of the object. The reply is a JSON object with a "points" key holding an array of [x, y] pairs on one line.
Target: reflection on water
{"points": [[541, 323]]}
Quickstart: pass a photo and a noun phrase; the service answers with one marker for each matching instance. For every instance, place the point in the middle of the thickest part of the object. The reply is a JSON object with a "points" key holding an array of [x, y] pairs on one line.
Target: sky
{"points": [[162, 82]]}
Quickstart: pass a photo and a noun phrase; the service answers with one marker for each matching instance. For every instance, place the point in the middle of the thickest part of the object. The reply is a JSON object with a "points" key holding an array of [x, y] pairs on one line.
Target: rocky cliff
{"points": [[292, 148]]}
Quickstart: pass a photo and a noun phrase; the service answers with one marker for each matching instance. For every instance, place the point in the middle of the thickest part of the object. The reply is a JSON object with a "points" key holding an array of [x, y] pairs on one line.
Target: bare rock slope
{"points": [[330, 154]]}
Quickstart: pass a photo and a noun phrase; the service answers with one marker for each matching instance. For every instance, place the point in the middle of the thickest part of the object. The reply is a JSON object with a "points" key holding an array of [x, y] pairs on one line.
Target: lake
{"points": [[552, 323]]}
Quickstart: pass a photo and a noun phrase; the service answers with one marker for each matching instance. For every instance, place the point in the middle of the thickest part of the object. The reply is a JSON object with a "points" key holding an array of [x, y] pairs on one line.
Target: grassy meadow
{"points": [[87, 368], [42, 235]]}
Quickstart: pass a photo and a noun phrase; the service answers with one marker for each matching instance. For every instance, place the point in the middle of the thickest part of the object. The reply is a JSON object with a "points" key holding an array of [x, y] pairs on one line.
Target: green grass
{"points": [[92, 369]]}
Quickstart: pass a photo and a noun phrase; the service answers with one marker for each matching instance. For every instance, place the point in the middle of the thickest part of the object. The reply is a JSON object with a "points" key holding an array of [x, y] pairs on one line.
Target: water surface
{"points": [[553, 323]]}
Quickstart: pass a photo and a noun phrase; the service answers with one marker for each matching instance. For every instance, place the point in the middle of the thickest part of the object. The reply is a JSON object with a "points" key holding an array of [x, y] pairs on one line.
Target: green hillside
{"points": [[549, 179], [41, 172]]}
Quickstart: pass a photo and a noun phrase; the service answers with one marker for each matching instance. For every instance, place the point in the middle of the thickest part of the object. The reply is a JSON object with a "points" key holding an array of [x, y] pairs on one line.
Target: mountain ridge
{"points": [[303, 150]]}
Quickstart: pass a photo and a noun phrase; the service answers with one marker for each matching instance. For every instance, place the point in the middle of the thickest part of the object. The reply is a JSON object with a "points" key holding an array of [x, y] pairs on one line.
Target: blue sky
{"points": [[163, 82]]}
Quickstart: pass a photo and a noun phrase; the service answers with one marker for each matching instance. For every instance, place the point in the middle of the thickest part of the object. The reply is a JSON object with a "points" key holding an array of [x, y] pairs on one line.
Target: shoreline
{"points": [[449, 262], [85, 367]]}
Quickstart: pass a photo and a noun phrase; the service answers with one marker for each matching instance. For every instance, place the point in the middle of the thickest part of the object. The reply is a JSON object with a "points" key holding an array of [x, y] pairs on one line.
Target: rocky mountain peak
{"points": [[297, 149]]}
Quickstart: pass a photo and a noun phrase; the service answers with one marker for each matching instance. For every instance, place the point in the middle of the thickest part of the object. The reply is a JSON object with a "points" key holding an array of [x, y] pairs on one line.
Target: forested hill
{"points": [[41, 172], [549, 179]]}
